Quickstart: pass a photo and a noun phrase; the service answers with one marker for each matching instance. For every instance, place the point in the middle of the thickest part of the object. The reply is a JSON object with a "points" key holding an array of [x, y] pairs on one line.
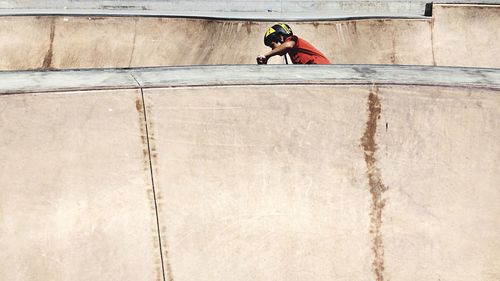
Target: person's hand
{"points": [[261, 60]]}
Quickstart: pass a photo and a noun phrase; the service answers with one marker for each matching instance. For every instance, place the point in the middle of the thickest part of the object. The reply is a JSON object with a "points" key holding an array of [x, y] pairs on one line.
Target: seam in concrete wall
{"points": [[166, 268], [140, 105]]}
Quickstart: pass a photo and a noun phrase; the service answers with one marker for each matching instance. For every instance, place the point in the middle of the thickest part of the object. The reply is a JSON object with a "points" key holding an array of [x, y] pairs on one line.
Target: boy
{"points": [[281, 40]]}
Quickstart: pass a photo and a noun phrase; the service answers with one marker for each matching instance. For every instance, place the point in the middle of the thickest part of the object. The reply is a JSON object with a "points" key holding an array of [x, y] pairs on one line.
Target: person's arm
{"points": [[278, 51]]}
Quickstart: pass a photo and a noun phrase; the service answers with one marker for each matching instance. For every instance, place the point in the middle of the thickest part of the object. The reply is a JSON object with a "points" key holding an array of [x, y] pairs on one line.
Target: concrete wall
{"points": [[372, 179], [76, 198], [88, 42], [455, 36], [297, 198], [462, 36]]}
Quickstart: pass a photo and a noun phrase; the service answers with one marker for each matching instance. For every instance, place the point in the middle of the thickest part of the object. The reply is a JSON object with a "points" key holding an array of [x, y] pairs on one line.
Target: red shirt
{"points": [[305, 53]]}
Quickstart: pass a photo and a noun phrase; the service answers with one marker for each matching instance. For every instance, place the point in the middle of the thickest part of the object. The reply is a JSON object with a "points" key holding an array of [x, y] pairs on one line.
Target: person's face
{"points": [[276, 43]]}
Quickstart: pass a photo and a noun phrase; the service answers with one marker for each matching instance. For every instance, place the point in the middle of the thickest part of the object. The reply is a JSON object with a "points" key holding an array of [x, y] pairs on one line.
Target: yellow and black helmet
{"points": [[274, 31]]}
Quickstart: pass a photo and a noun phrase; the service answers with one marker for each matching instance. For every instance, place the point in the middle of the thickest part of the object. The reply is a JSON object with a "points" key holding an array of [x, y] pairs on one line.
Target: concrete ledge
{"points": [[167, 77], [261, 16], [196, 7]]}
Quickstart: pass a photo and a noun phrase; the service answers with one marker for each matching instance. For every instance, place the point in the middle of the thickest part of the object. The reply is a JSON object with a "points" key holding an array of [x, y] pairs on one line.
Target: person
{"points": [[282, 41]]}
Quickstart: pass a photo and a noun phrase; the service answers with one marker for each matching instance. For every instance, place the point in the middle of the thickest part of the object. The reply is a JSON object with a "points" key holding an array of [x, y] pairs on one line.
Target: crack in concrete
{"points": [[377, 188], [150, 155]]}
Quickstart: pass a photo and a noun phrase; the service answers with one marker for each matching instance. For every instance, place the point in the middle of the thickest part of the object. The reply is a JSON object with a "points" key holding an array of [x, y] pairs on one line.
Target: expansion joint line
{"points": [[152, 182]]}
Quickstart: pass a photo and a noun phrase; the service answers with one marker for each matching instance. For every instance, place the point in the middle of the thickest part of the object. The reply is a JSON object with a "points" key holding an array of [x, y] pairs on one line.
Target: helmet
{"points": [[274, 31]]}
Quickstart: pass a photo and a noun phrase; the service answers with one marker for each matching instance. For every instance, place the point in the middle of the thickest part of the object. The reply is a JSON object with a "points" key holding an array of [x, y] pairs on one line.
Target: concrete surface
{"points": [[283, 7], [19, 82], [462, 35], [478, 29], [76, 198], [365, 173]]}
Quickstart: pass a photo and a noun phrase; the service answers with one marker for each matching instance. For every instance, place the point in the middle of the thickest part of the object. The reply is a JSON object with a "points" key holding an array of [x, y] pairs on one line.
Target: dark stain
{"points": [[158, 196], [123, 7], [158, 267], [393, 55], [393, 58], [47, 60], [151, 197], [142, 134], [168, 267], [150, 191], [377, 188], [364, 71], [151, 163], [431, 23], [248, 26], [151, 136], [144, 138], [138, 106], [98, 18], [145, 158], [380, 23], [354, 26]]}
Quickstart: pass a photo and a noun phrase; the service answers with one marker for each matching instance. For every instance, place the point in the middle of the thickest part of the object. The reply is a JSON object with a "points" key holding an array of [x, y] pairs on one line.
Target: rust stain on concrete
{"points": [[152, 197], [377, 188], [144, 140], [168, 267], [150, 155], [158, 195]]}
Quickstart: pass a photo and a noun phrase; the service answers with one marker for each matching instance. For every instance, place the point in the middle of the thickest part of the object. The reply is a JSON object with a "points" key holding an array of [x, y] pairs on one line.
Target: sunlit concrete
{"points": [[76, 193], [456, 35], [330, 172]]}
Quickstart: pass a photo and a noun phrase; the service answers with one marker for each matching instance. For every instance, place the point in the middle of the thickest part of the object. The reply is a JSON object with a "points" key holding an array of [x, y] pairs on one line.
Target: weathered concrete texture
{"points": [[169, 41], [327, 182], [455, 36], [462, 34], [362, 179], [92, 42], [374, 41], [262, 183], [76, 197], [24, 42], [19, 82], [439, 158]]}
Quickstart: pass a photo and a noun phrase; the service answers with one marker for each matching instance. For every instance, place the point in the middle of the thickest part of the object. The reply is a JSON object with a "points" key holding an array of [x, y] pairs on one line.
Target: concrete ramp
{"points": [[456, 35], [462, 34], [76, 198], [328, 173]]}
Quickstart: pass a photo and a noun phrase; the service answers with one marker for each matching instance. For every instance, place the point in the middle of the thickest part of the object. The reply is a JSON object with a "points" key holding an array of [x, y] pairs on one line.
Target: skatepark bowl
{"points": [[153, 148]]}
